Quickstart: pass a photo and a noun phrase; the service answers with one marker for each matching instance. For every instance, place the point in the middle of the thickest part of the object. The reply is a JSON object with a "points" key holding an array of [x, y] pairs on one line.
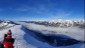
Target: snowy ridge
{"points": [[3, 24], [61, 23], [6, 24]]}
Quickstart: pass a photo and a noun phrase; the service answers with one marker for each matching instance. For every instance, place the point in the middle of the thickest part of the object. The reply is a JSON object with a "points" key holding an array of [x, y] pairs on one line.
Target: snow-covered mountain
{"points": [[61, 23], [33, 35], [5, 24]]}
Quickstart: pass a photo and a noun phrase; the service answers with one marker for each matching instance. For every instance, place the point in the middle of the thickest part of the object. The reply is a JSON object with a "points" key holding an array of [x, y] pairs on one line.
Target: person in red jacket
{"points": [[8, 42], [8, 33]]}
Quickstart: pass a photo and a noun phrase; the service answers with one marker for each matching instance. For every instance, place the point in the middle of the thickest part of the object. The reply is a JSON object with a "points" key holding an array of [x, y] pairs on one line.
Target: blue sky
{"points": [[41, 9]]}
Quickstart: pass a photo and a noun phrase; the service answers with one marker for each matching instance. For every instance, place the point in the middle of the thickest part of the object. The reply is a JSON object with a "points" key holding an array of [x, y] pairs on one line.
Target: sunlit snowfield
{"points": [[31, 35]]}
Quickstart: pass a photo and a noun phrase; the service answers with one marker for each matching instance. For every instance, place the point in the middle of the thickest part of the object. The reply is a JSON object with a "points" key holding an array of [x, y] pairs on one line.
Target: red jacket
{"points": [[8, 42]]}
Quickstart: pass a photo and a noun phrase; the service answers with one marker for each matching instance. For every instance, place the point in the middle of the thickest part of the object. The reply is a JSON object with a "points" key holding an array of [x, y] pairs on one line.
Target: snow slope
{"points": [[24, 40]]}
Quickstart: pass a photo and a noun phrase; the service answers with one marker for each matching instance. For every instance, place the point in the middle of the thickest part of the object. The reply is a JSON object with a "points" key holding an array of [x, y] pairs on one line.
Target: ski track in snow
{"points": [[24, 40]]}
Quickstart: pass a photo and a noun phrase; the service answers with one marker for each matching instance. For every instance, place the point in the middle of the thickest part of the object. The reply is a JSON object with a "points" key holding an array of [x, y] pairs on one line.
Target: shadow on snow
{"points": [[53, 40]]}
